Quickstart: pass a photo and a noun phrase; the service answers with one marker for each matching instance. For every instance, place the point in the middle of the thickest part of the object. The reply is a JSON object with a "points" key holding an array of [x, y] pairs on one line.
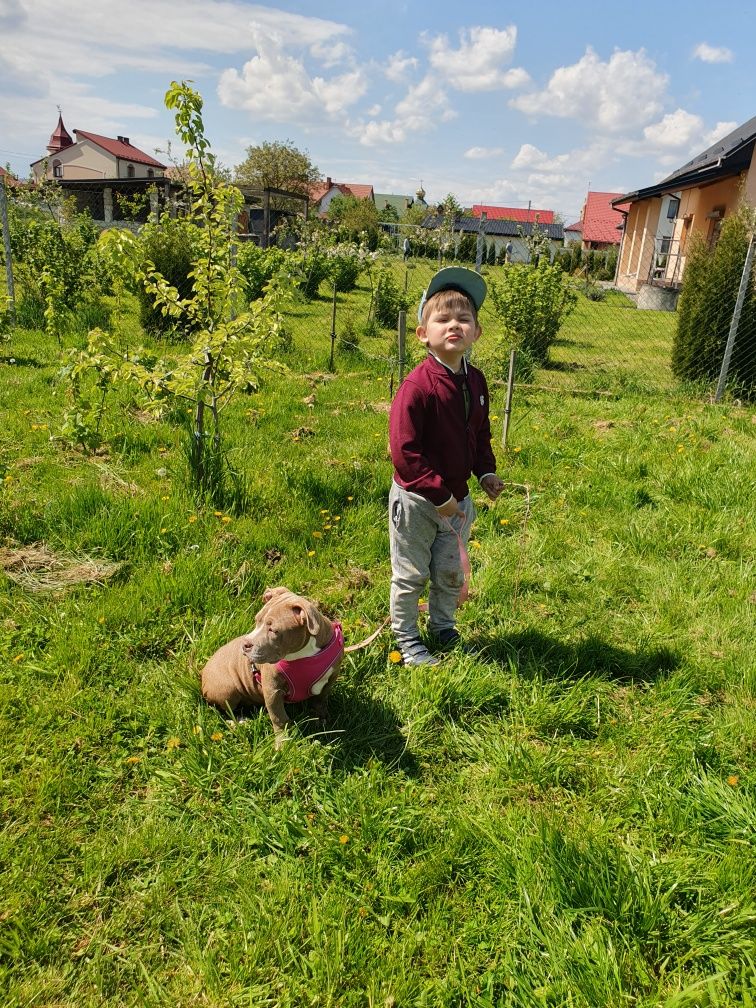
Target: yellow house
{"points": [[694, 199]]}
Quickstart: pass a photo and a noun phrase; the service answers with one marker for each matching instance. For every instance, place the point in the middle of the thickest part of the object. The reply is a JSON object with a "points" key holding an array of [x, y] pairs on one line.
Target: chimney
{"points": [[123, 140], [329, 183]]}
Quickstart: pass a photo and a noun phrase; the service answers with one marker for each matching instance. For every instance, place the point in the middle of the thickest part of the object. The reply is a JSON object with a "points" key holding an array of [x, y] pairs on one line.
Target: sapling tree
{"points": [[227, 340]]}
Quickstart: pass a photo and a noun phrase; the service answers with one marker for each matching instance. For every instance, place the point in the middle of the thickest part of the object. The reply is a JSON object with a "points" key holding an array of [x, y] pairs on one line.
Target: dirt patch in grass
{"points": [[36, 568]]}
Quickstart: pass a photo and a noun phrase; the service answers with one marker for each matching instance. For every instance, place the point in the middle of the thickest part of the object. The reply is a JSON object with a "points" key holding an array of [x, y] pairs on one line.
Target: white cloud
{"points": [[713, 54], [423, 107], [718, 133], [399, 66], [676, 130], [477, 65], [480, 153], [275, 85], [621, 94]]}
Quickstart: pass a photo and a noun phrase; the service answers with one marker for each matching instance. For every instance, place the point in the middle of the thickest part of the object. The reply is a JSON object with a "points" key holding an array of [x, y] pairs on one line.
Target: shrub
{"points": [[259, 266], [345, 266], [532, 302], [389, 300], [171, 244], [709, 291]]}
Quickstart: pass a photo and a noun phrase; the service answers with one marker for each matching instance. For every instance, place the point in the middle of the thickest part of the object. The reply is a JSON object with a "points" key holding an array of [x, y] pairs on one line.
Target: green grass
{"points": [[566, 818]]}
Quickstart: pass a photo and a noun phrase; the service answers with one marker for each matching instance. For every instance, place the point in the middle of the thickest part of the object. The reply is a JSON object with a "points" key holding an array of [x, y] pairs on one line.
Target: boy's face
{"points": [[449, 331]]}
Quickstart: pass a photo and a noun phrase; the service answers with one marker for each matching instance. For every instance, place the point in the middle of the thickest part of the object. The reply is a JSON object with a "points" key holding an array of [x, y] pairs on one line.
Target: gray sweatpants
{"points": [[424, 547]]}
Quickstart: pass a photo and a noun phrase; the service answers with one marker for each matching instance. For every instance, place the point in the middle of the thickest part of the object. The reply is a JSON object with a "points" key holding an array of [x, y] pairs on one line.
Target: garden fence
{"points": [[612, 343]]}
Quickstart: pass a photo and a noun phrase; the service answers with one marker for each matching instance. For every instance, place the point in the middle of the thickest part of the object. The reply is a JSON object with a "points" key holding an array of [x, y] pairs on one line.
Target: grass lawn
{"points": [[566, 817]]}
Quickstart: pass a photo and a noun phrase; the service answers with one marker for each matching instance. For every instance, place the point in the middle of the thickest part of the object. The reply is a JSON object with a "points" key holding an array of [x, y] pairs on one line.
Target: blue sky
{"points": [[494, 101]]}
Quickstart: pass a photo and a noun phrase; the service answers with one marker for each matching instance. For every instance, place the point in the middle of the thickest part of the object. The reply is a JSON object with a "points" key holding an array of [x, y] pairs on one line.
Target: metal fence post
{"points": [[508, 404], [402, 342], [744, 281], [7, 248], [333, 326]]}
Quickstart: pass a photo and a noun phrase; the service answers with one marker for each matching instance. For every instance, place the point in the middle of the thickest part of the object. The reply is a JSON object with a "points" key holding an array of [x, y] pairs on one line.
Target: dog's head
{"points": [[283, 626]]}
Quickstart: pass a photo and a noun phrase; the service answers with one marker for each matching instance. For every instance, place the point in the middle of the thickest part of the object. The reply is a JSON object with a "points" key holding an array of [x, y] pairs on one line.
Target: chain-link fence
{"points": [[697, 336]]}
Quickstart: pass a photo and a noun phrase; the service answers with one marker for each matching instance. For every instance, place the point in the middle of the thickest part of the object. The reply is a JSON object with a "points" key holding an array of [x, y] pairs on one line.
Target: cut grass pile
{"points": [[565, 817]]}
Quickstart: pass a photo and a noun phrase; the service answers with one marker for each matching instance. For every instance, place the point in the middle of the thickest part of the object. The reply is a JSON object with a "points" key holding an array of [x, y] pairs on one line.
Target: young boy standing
{"points": [[439, 434]]}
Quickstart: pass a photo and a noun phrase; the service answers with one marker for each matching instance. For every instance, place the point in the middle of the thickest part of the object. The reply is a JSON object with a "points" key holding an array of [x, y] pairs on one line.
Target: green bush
{"points": [[171, 245], [389, 300], [258, 266], [532, 302], [345, 270], [710, 288]]}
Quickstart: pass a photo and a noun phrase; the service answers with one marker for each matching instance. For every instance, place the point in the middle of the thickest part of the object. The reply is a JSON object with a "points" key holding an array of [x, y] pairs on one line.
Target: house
{"points": [[321, 193], [662, 218], [502, 233], [8, 180], [601, 221], [518, 214], [105, 174], [92, 156], [573, 233], [398, 203]]}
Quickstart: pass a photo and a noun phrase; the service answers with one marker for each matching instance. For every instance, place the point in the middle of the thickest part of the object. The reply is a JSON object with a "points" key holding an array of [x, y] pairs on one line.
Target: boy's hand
{"points": [[451, 509], [492, 486]]}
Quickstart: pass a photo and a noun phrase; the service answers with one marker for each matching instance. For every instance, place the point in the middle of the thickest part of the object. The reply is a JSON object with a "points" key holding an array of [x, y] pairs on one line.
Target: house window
{"points": [[150, 173], [130, 171], [673, 207], [57, 169]]}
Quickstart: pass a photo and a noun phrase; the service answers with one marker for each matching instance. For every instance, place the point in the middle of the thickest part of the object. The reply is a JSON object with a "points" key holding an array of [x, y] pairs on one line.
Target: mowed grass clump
{"points": [[564, 817]]}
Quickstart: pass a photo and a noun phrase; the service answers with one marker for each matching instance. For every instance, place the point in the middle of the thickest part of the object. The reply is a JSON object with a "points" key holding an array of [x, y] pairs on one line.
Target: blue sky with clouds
{"points": [[494, 101]]}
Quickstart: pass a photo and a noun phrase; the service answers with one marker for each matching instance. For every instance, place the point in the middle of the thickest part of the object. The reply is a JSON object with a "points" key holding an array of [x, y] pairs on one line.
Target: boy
{"points": [[439, 434]]}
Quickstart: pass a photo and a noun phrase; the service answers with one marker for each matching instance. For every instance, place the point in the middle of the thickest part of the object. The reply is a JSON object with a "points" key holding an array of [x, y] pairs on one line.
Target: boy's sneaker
{"points": [[414, 652], [448, 638]]}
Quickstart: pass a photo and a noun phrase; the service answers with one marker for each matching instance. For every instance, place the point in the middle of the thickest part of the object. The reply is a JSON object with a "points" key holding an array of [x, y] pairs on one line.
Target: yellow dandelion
{"points": [[310, 552], [517, 449], [100, 619], [324, 512], [133, 759], [672, 430], [165, 498], [343, 838], [192, 519], [326, 527], [218, 514], [162, 530], [226, 519], [216, 736], [337, 517], [475, 543], [197, 730], [733, 780], [494, 417], [173, 742], [317, 535], [19, 657], [504, 521], [395, 657], [350, 498]]}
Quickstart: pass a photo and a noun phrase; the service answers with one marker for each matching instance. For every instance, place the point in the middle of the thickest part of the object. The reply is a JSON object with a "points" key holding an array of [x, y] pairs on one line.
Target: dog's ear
{"points": [[307, 615], [271, 593]]}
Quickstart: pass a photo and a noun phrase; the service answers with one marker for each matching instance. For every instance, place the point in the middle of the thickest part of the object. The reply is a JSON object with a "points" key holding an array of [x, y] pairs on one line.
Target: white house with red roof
{"points": [[92, 156], [8, 180], [321, 193], [517, 214], [600, 224]]}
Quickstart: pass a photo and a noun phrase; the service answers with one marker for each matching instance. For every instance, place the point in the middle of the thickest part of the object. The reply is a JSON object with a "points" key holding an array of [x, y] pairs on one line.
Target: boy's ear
{"points": [[420, 332]]}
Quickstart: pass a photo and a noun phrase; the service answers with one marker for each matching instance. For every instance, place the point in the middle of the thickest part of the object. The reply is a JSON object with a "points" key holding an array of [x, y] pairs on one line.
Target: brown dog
{"points": [[293, 653]]}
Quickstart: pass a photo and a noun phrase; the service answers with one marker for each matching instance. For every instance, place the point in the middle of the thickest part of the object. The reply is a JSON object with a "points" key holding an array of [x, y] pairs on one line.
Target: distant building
{"points": [[321, 193], [601, 222], [399, 203], [8, 180], [518, 214], [502, 233]]}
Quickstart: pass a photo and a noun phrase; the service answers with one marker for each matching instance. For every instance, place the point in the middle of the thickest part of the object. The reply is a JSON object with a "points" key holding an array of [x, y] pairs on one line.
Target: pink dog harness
{"points": [[307, 676]]}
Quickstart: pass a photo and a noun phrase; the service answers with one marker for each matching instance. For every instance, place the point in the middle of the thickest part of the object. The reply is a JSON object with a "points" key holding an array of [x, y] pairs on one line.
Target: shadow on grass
{"points": [[535, 654], [360, 728], [30, 362]]}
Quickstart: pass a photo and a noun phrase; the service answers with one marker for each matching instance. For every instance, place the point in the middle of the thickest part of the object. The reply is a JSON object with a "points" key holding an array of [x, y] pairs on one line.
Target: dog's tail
{"points": [[370, 639]]}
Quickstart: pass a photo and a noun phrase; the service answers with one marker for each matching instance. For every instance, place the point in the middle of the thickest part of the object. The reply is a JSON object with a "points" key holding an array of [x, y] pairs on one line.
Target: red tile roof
{"points": [[514, 213], [119, 148], [8, 179], [600, 219], [577, 226], [319, 189]]}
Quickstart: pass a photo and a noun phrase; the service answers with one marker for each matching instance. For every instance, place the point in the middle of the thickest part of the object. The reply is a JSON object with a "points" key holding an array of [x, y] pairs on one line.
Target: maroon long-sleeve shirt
{"points": [[435, 446]]}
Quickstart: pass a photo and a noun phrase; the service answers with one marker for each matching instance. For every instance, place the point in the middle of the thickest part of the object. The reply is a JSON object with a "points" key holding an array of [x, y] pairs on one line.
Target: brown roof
{"points": [[356, 189], [120, 148], [8, 179]]}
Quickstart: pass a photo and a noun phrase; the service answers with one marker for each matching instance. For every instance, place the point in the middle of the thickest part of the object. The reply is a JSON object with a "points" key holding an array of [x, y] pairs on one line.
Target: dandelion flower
{"points": [[350, 498], [504, 521], [216, 736], [733, 780], [173, 742], [310, 552], [192, 519], [19, 657], [317, 535], [517, 449], [133, 759], [343, 838], [395, 657], [226, 519], [197, 730]]}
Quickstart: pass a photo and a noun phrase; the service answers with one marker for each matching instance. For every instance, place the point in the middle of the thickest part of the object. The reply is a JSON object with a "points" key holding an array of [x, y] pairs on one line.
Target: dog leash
{"points": [[368, 640]]}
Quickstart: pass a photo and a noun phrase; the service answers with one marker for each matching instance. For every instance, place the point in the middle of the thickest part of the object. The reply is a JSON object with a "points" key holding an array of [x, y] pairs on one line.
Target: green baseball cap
{"points": [[455, 278]]}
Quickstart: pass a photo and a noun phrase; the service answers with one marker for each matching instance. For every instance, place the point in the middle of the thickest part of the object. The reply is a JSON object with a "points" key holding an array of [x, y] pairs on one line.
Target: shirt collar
{"points": [[444, 364]]}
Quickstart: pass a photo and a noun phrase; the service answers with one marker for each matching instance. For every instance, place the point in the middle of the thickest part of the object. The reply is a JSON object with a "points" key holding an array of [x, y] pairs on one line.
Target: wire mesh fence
{"points": [[699, 339]]}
